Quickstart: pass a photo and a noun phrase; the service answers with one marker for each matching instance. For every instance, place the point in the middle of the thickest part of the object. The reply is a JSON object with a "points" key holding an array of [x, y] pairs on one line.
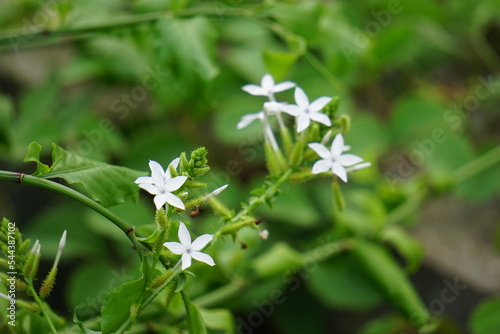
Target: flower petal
{"points": [[184, 236], [273, 108], [201, 241], [340, 171], [283, 86], [175, 163], [292, 110], [150, 188], [349, 159], [321, 150], [175, 183], [321, 118], [303, 122], [202, 257], [319, 103], [321, 166], [254, 90], [267, 83], [174, 200], [157, 173], [175, 247], [186, 261], [160, 200], [144, 179], [247, 119], [301, 98], [337, 145]]}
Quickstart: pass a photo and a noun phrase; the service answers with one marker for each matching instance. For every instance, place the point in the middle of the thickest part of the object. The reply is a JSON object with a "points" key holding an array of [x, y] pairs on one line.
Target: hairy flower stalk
{"points": [[32, 261], [48, 283]]}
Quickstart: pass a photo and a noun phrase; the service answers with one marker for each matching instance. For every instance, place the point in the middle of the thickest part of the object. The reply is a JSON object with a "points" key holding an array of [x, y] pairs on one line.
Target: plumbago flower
{"points": [[306, 112], [267, 87], [334, 159], [161, 184], [190, 250]]}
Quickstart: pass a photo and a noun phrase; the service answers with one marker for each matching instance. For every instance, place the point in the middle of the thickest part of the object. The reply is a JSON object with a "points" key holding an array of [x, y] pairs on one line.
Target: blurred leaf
{"points": [[390, 324], [364, 214], [340, 283], [416, 118], [406, 245], [482, 186], [294, 207], [280, 259], [104, 183], [391, 280], [485, 319], [218, 319], [194, 317], [192, 43]]}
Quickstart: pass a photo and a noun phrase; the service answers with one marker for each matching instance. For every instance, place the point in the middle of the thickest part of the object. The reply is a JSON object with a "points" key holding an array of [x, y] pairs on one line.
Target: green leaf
{"points": [[104, 183], [194, 318], [485, 319], [34, 150], [118, 304], [279, 259], [218, 319], [340, 283], [406, 245], [386, 273], [192, 43]]}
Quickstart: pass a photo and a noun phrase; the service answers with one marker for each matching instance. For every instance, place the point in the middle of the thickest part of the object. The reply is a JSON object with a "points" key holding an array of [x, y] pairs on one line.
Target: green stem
{"points": [[176, 270], [60, 188], [42, 306], [240, 284], [321, 69], [254, 202], [477, 165], [58, 35]]}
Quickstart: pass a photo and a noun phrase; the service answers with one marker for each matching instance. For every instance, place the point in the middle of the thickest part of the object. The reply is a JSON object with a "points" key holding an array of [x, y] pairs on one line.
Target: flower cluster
{"points": [[305, 113], [169, 188]]}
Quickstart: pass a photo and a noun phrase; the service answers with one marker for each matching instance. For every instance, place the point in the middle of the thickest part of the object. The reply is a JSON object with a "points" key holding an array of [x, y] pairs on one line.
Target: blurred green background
{"points": [[127, 81]]}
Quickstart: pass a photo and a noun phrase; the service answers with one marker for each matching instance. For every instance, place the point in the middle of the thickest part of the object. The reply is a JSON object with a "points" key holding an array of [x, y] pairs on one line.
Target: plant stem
{"points": [[41, 304], [239, 284], [176, 270], [256, 201], [477, 165], [60, 188], [55, 36]]}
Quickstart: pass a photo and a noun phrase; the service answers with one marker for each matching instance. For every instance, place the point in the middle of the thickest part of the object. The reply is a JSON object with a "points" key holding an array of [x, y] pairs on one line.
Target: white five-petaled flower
{"points": [[305, 111], [334, 159], [267, 87], [189, 249], [161, 184]]}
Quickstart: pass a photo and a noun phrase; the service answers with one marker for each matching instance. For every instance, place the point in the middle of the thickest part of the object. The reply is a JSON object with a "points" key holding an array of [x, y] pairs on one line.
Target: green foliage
{"points": [[122, 303], [485, 318], [194, 316], [104, 183], [140, 80]]}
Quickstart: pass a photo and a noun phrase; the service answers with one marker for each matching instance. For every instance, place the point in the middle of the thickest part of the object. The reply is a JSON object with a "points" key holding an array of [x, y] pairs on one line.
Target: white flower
{"points": [[305, 111], [267, 87], [161, 184], [189, 249], [246, 120], [271, 108], [334, 159]]}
